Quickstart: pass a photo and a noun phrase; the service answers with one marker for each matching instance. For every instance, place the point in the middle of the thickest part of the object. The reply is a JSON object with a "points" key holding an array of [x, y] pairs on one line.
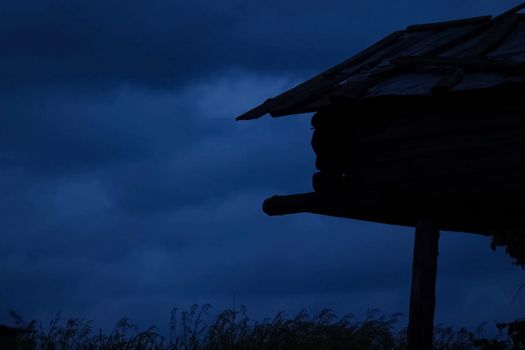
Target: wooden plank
{"points": [[501, 99], [473, 63], [500, 28], [456, 40], [437, 38], [257, 112], [448, 81], [423, 291], [446, 24]]}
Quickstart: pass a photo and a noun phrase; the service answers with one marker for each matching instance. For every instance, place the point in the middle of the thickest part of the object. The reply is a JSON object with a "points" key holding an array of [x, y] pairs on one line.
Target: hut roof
{"points": [[423, 60]]}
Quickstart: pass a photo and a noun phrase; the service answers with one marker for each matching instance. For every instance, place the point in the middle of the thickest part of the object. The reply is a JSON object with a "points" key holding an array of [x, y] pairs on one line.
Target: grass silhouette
{"points": [[231, 329]]}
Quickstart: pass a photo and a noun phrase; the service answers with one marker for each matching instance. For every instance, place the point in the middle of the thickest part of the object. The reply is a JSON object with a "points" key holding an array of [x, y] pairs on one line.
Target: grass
{"points": [[194, 329]]}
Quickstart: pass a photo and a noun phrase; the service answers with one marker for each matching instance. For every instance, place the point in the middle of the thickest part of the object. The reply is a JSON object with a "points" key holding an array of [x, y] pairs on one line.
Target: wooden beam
{"points": [[372, 207], [423, 293]]}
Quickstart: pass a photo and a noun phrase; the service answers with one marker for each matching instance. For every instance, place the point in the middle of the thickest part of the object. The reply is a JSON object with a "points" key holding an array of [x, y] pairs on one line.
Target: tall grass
{"points": [[194, 329]]}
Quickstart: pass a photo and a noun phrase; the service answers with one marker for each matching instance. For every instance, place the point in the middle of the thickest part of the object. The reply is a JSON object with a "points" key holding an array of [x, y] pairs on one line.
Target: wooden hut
{"points": [[425, 128]]}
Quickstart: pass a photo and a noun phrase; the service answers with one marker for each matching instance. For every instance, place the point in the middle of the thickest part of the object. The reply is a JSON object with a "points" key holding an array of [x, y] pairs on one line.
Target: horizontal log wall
{"points": [[469, 158]]}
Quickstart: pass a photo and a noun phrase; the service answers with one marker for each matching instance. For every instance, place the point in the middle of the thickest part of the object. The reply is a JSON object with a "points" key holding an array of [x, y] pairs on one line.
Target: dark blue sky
{"points": [[126, 187]]}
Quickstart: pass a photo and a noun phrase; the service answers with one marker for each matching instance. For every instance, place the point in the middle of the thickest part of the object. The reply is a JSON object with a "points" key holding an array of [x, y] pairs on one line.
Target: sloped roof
{"points": [[422, 60]]}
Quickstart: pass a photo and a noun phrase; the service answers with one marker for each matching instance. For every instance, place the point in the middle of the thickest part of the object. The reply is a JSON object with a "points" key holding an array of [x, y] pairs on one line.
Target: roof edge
{"points": [[289, 101], [267, 105], [452, 23]]}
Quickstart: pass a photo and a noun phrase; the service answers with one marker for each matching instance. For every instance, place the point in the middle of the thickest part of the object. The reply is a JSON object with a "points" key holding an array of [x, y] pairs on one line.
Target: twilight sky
{"points": [[127, 188]]}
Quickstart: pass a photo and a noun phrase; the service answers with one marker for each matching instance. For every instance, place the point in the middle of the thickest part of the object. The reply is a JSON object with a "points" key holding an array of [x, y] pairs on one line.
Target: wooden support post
{"points": [[423, 293]]}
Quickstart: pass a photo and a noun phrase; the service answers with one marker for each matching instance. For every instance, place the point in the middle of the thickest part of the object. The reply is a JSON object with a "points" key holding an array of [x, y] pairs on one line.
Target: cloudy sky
{"points": [[127, 188]]}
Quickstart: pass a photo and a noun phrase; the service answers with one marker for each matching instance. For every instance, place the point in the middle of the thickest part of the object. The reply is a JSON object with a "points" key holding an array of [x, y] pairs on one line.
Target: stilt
{"points": [[423, 293]]}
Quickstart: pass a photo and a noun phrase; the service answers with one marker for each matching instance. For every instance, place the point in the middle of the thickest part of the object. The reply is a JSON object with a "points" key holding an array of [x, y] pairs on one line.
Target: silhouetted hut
{"points": [[425, 128]]}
